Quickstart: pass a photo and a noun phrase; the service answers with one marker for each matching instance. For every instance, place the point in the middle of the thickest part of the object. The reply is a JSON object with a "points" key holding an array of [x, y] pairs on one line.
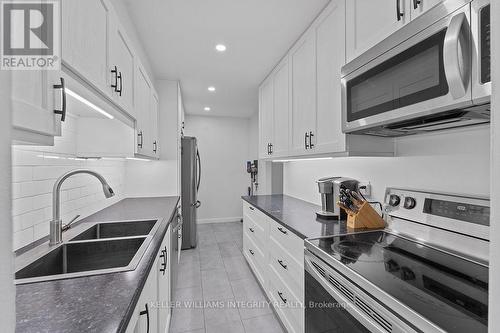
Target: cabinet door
{"points": [[418, 7], [266, 116], [121, 56], [84, 39], [34, 100], [281, 109], [303, 59], [164, 292], [155, 105], [369, 22], [147, 305], [330, 48], [142, 110]]}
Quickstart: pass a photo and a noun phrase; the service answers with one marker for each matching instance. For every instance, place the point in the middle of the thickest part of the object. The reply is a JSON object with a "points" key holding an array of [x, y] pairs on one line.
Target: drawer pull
{"points": [[282, 230], [282, 264], [251, 229], [251, 208], [281, 296], [251, 252]]}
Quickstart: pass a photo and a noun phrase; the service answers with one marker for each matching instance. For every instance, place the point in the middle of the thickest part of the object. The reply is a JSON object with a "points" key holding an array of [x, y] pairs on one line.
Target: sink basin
{"points": [[77, 257], [116, 229]]}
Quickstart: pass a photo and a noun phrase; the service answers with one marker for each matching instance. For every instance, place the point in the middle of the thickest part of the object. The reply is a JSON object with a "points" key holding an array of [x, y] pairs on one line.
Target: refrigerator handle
{"points": [[199, 170]]}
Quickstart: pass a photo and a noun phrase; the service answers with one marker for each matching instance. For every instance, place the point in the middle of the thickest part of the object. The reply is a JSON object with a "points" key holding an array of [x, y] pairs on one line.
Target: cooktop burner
{"points": [[448, 290]]}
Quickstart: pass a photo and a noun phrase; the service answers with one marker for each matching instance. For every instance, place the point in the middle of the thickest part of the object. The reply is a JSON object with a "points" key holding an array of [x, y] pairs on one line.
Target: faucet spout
{"points": [[56, 226]]}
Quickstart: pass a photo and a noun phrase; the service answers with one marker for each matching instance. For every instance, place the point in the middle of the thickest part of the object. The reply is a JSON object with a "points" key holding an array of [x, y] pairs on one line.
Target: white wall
{"points": [[223, 143], [34, 171], [494, 287], [454, 162]]}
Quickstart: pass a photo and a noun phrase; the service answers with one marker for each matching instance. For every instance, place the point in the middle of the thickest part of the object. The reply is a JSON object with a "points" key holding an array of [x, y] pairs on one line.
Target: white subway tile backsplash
{"points": [[22, 174], [34, 176], [23, 238]]}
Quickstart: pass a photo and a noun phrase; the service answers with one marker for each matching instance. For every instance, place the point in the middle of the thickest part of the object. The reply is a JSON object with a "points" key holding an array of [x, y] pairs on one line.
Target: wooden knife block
{"points": [[365, 218]]}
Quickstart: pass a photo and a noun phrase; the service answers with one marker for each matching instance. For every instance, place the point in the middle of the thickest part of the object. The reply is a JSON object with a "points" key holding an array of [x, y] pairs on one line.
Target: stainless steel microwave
{"points": [[430, 75]]}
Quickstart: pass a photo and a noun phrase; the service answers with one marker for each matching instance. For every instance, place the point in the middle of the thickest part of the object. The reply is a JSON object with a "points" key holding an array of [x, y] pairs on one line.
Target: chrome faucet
{"points": [[56, 225]]}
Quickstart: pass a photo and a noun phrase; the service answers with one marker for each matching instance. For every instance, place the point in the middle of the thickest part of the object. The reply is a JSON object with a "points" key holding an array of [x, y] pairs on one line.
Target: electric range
{"points": [[426, 272]]}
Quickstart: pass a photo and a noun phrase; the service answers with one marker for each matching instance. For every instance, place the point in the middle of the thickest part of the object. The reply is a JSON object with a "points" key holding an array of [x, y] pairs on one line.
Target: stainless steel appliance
{"points": [[190, 184], [432, 74], [426, 272], [329, 188]]}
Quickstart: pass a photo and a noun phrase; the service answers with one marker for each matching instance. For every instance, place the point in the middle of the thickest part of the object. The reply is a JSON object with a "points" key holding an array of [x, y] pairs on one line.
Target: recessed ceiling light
{"points": [[206, 108], [220, 47], [212, 89]]}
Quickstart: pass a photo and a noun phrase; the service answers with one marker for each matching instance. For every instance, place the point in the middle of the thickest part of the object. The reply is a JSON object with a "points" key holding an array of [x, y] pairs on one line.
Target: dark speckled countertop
{"points": [[297, 215], [99, 303]]}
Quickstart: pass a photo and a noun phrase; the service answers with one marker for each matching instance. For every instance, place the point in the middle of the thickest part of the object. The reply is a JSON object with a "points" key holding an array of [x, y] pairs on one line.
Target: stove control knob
{"points": [[407, 274], [410, 203], [394, 200]]}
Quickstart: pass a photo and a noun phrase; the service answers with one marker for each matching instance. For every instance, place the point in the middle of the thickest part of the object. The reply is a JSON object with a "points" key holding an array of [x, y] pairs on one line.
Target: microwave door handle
{"points": [[456, 69]]}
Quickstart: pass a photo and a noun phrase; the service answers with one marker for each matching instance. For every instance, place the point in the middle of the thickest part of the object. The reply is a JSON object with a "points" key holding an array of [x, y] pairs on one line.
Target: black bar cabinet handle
{"points": [[62, 112], [139, 135], [399, 13], [154, 147], [121, 83], [251, 229], [251, 252], [114, 71], [306, 137], [251, 208], [280, 294], [282, 230], [146, 312], [282, 264], [311, 145], [416, 3], [272, 151]]}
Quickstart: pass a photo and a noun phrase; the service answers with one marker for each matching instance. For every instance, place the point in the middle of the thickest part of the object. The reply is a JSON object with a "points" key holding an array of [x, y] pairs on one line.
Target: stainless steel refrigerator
{"points": [[191, 176]]}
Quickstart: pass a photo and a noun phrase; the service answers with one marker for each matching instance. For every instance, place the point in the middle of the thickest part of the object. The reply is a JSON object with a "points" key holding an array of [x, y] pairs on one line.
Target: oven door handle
{"points": [[361, 317], [456, 51]]}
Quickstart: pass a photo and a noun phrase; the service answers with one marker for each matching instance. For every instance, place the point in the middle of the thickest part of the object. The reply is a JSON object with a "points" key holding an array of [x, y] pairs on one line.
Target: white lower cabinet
{"points": [[276, 257], [153, 312]]}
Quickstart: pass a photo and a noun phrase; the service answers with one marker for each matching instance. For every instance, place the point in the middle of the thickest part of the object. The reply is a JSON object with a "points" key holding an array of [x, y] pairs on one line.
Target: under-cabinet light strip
{"points": [[86, 102]]}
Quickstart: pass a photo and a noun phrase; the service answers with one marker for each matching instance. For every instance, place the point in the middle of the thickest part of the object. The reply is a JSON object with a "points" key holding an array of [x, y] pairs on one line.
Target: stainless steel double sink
{"points": [[105, 247]]}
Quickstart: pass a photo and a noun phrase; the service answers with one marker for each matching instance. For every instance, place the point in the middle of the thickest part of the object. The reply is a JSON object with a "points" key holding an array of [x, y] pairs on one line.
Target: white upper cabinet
{"points": [[369, 22], [266, 110], [143, 111], [303, 122], [281, 109], [302, 97], [84, 39], [330, 49], [121, 68], [155, 108], [38, 102], [418, 7]]}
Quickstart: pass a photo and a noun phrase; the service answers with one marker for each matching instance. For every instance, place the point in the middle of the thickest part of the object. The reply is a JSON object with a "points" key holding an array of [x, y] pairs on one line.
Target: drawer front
{"points": [[255, 231], [287, 304], [287, 267], [256, 258], [288, 241], [256, 215]]}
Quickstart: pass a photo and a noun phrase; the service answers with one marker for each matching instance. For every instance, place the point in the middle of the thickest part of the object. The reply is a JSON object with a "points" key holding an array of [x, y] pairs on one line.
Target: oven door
{"points": [[427, 73], [481, 52]]}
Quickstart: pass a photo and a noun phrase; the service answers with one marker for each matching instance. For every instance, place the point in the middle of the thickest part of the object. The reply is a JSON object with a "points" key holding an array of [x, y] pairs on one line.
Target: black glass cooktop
{"points": [[450, 291]]}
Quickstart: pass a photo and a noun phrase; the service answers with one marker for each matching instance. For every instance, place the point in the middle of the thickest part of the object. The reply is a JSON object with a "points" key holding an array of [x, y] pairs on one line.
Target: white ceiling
{"points": [[179, 37]]}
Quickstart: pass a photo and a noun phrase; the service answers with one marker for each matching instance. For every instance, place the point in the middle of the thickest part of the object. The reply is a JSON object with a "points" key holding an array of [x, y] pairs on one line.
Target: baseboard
{"points": [[220, 220]]}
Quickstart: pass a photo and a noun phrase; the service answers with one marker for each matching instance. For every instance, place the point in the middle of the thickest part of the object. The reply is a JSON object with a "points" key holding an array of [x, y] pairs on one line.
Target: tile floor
{"points": [[216, 291]]}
